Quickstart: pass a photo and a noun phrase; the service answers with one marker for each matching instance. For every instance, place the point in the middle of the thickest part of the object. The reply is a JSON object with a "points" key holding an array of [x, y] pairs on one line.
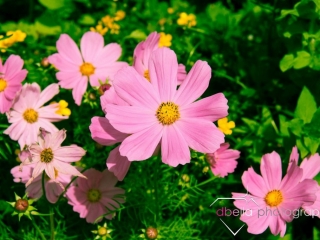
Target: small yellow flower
{"points": [[226, 126], [165, 40], [107, 21], [187, 19], [162, 21], [120, 14], [170, 10], [63, 110], [16, 36], [99, 29], [115, 29]]}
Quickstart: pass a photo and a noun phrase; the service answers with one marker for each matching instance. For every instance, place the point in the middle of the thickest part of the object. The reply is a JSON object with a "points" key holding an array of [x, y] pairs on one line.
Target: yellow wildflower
{"points": [[170, 10], [99, 29], [226, 126], [187, 19], [120, 14], [16, 36], [107, 21], [115, 29], [63, 110], [165, 40], [162, 21]]}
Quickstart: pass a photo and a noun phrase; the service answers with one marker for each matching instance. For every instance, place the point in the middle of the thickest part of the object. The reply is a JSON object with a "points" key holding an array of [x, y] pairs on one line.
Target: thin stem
{"points": [[43, 185], [156, 190], [38, 229], [52, 223]]}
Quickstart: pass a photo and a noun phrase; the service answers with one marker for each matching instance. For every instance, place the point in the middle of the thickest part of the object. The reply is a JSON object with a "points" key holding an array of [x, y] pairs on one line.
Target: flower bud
{"points": [[21, 205], [152, 233]]}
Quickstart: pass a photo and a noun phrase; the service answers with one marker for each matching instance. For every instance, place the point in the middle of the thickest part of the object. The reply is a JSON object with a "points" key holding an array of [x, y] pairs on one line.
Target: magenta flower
{"points": [[275, 200], [28, 114], [142, 55], [160, 113], [34, 190], [103, 133], [96, 196], [95, 62], [223, 161], [11, 76], [48, 155], [310, 167]]}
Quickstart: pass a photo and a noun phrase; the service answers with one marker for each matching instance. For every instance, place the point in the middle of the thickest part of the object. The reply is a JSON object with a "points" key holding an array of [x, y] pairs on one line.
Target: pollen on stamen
{"points": [[30, 115], [274, 198], [3, 84], [168, 113], [87, 69], [146, 75]]}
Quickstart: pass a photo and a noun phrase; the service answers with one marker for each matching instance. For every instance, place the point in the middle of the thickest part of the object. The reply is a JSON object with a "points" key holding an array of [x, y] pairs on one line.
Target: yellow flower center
{"points": [[102, 231], [146, 75], [30, 115], [94, 195], [3, 84], [46, 155], [168, 113], [274, 198], [87, 69]]}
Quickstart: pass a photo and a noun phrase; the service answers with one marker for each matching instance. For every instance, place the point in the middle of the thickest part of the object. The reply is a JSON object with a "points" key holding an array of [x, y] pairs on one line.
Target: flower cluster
{"points": [[11, 38], [108, 23]]}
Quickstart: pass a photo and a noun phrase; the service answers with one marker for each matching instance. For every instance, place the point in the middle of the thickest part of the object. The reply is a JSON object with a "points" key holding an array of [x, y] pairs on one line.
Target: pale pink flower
{"points": [[96, 196], [103, 133], [28, 114], [160, 113], [142, 55], [34, 190], [11, 76], [275, 200], [223, 161], [94, 62], [311, 167], [48, 155]]}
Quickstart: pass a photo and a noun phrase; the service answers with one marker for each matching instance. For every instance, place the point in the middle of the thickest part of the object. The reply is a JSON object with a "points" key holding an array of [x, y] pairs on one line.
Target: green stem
{"points": [[52, 223], [156, 191], [38, 229]]}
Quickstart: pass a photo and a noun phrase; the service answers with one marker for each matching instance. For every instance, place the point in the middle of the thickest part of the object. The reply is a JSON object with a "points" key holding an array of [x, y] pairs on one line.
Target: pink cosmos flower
{"points": [[95, 62], [103, 133], [223, 161], [142, 54], [275, 200], [310, 167], [28, 114], [34, 190], [11, 76], [48, 155], [160, 113], [95, 196]]}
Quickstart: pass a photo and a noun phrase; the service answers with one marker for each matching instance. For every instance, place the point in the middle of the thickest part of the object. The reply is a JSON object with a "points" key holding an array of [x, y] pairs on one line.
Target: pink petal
{"points": [[314, 209], [196, 82], [182, 73], [69, 80], [12, 66], [76, 196], [271, 170], [34, 190], [277, 225], [130, 119], [294, 157], [66, 168], [48, 113], [68, 50], [71, 153], [38, 169], [95, 210], [163, 68], [63, 64], [48, 126], [200, 135], [79, 90], [108, 181], [17, 78], [47, 94], [93, 180], [210, 108], [91, 44], [140, 146], [118, 164], [292, 178], [5, 103], [256, 224], [104, 133], [254, 183], [16, 129], [310, 166], [53, 191], [56, 139], [174, 148], [109, 72], [108, 55], [110, 96], [135, 90], [302, 193]]}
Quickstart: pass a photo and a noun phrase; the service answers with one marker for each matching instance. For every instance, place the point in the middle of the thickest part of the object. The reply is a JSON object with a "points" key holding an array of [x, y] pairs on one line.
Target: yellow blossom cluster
{"points": [[108, 23], [188, 20], [165, 40], [226, 126], [15, 36]]}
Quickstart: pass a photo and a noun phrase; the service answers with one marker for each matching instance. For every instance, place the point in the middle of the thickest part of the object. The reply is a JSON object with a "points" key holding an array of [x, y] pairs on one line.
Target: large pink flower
{"points": [[160, 113], [11, 76], [103, 133], [95, 62], [223, 161], [275, 200], [95, 196], [142, 54], [28, 114], [310, 167], [48, 155]]}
